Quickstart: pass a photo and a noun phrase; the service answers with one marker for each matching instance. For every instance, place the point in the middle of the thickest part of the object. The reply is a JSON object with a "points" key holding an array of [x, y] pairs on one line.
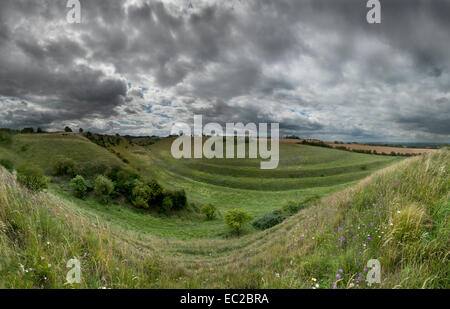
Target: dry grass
{"points": [[404, 209]]}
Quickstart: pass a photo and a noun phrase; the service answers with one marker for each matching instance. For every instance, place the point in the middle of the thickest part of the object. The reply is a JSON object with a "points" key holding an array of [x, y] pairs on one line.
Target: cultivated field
{"points": [[378, 149]]}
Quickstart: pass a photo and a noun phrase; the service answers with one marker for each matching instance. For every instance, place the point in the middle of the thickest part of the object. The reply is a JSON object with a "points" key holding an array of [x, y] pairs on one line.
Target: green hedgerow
{"points": [[268, 220]]}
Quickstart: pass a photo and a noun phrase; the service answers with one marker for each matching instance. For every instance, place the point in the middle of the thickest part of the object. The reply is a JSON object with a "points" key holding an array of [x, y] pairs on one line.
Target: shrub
{"points": [[178, 198], [236, 218], [64, 167], [141, 195], [268, 220], [209, 211], [27, 130], [103, 188], [124, 181], [291, 207], [7, 164], [79, 186], [5, 138], [167, 204], [32, 177], [157, 194], [67, 129], [91, 169]]}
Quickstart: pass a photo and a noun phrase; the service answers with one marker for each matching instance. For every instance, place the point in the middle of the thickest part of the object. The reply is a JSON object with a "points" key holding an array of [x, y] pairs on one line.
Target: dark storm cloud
{"points": [[315, 66]]}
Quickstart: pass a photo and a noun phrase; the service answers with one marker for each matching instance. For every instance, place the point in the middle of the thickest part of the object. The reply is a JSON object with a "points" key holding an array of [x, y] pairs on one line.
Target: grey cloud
{"points": [[318, 56]]}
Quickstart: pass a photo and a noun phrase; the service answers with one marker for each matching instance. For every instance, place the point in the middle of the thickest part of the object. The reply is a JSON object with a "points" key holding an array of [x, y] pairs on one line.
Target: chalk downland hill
{"points": [[398, 215], [305, 173]]}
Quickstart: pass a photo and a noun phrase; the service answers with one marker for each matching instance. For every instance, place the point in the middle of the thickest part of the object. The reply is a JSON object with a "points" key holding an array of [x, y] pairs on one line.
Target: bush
{"points": [[79, 186], [32, 177], [27, 130], [236, 218], [167, 204], [141, 195], [7, 164], [178, 198], [209, 211], [157, 194], [5, 138], [268, 220], [64, 167], [103, 188], [67, 129], [291, 207], [91, 169], [124, 181]]}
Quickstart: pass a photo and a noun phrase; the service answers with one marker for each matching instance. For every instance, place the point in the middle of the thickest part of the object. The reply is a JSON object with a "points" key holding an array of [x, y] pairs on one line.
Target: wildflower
{"points": [[340, 270], [317, 285], [314, 279], [338, 276]]}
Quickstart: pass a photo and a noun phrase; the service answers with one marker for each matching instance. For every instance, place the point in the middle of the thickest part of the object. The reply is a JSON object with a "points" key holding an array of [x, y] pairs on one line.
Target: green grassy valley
{"points": [[305, 173], [355, 207]]}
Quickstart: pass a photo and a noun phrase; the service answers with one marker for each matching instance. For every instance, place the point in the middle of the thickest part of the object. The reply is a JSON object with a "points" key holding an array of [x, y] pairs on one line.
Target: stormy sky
{"points": [[316, 67]]}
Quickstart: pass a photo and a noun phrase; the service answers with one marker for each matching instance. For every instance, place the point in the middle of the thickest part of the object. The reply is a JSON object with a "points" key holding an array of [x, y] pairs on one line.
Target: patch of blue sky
{"points": [[147, 107], [163, 115], [304, 113]]}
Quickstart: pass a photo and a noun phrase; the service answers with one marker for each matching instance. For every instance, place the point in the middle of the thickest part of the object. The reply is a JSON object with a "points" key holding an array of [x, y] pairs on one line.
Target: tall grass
{"points": [[398, 216]]}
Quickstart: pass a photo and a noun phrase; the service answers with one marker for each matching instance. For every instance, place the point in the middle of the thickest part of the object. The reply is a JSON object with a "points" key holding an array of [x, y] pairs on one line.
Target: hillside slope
{"points": [[398, 216], [43, 149]]}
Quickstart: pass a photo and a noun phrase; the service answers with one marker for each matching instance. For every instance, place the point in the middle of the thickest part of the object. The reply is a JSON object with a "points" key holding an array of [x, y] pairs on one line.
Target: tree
{"points": [[80, 130], [79, 186], [236, 218], [27, 130], [209, 211], [39, 130], [64, 167], [103, 188], [67, 129], [167, 204], [157, 193], [141, 195]]}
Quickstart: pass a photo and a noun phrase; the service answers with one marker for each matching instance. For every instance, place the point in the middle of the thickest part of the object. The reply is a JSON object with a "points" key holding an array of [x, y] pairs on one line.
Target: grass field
{"points": [[304, 172], [43, 149], [398, 215]]}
